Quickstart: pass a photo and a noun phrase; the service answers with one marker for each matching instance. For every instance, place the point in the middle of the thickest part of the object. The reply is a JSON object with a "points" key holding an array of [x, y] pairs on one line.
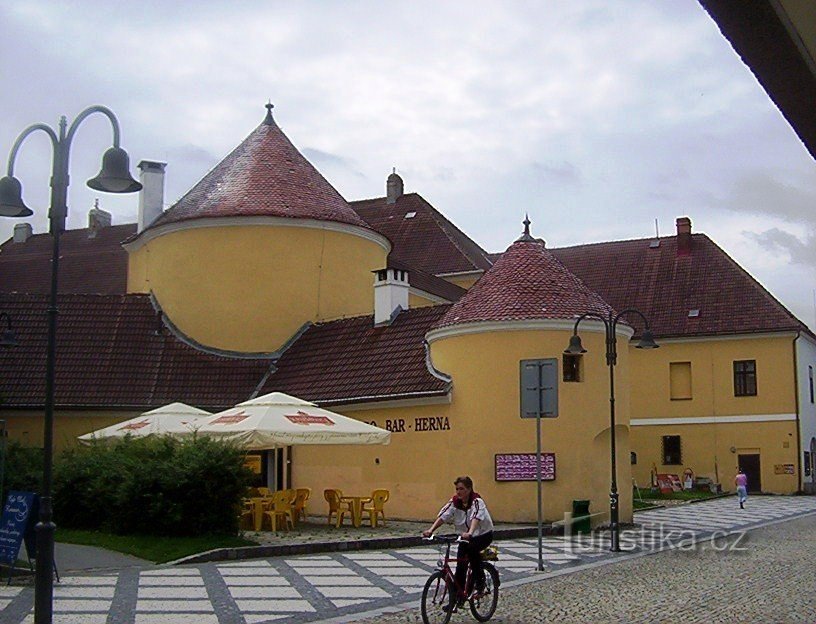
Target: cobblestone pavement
{"points": [[352, 586], [766, 576]]}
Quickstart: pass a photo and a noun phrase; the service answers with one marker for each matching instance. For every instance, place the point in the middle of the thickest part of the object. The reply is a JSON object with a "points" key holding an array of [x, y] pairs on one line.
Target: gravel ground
{"points": [[771, 580]]}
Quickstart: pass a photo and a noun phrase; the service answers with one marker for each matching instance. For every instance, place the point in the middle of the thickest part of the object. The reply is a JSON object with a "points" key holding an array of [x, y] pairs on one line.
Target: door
{"points": [[750, 466]]}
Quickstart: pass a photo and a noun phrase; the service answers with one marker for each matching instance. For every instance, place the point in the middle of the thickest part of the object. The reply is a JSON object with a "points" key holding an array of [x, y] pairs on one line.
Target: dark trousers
{"points": [[470, 551]]}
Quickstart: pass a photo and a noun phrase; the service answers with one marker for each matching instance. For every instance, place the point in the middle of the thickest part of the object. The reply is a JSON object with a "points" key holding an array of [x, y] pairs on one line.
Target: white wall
{"points": [[805, 358]]}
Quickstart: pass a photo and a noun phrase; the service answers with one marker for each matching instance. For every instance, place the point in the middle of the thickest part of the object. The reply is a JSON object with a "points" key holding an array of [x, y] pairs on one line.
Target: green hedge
{"points": [[23, 468], [152, 486]]}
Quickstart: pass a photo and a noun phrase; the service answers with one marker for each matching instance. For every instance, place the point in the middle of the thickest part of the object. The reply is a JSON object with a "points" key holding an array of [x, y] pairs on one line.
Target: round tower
{"points": [[260, 246], [503, 345]]}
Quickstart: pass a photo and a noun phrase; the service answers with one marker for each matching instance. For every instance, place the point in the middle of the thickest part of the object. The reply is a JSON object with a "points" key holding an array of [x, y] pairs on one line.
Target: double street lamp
{"points": [[576, 348], [113, 178]]}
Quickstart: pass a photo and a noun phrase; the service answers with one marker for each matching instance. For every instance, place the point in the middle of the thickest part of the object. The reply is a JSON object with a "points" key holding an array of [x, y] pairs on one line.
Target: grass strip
{"points": [[150, 547]]}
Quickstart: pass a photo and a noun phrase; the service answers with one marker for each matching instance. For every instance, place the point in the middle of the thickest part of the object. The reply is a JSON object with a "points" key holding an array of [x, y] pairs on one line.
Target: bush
{"points": [[153, 486], [23, 468]]}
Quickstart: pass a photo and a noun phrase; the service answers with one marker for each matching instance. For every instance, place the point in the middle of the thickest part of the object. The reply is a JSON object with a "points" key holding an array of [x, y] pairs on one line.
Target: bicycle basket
{"points": [[491, 553]]}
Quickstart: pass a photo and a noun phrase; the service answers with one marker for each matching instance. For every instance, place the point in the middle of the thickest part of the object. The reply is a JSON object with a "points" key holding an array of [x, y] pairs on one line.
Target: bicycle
{"points": [[442, 595]]}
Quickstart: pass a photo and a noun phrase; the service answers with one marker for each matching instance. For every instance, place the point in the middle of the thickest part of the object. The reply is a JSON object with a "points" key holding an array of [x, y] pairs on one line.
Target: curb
{"points": [[309, 548]]}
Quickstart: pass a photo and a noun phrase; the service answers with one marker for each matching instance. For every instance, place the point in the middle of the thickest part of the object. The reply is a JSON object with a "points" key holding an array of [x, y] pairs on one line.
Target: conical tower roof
{"points": [[264, 176], [527, 282]]}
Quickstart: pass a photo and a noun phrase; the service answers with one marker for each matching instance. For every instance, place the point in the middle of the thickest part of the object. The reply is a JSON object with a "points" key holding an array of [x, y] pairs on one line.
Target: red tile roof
{"points": [[427, 241], [665, 286], [87, 265], [527, 282], [108, 355], [347, 360], [430, 283], [264, 176]]}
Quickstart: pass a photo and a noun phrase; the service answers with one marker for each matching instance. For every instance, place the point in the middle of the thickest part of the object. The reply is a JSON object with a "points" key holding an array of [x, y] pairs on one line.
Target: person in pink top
{"points": [[741, 481]]}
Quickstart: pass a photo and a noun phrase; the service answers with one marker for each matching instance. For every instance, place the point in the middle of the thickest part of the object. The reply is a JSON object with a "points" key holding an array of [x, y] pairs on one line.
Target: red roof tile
{"points": [[665, 286], [346, 360], [87, 265], [264, 176], [427, 240], [108, 355], [527, 282]]}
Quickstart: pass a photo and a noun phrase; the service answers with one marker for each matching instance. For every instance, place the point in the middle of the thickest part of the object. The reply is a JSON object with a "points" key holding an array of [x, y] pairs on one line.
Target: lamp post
{"points": [[113, 178], [575, 348]]}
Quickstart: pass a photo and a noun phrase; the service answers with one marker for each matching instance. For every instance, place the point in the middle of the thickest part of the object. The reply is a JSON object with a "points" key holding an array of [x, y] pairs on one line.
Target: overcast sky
{"points": [[595, 117]]}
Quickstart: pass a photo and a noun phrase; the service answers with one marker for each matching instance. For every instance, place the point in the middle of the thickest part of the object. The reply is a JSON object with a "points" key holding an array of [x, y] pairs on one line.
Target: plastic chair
{"points": [[280, 507], [378, 499], [247, 514], [302, 495], [333, 499]]}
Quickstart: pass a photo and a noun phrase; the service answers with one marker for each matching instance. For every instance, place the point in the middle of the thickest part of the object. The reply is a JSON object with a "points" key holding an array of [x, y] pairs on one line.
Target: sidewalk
{"points": [[316, 535]]}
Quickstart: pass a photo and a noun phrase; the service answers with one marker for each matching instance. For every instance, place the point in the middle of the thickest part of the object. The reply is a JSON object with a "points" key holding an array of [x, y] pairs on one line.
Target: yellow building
{"points": [[263, 278]]}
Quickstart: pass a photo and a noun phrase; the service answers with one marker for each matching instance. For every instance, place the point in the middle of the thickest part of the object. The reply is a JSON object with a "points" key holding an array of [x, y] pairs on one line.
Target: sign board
{"points": [[17, 523], [253, 462], [523, 467], [784, 469], [669, 483]]}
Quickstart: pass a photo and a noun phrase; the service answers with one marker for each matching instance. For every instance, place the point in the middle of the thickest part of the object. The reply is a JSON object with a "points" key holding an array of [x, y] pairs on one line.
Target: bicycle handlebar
{"points": [[448, 539]]}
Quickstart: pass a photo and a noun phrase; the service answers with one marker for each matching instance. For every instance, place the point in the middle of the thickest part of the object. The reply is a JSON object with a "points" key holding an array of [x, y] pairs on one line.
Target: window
{"points": [[679, 381], [808, 466], [571, 365], [810, 382], [539, 388], [632, 458], [745, 383], [672, 454]]}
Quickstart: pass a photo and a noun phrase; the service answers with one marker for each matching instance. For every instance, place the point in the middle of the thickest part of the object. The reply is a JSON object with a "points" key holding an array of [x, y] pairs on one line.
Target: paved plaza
{"points": [[703, 541]]}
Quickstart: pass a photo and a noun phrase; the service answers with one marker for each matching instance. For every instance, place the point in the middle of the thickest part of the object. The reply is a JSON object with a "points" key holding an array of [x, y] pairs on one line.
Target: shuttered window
{"points": [[539, 388]]}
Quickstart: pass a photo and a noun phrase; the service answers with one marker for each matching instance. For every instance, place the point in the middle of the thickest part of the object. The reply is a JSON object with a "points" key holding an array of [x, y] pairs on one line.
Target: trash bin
{"points": [[580, 517]]}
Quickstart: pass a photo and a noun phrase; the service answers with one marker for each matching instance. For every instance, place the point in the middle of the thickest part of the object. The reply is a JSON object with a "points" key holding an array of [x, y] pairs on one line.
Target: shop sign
{"points": [[784, 469], [524, 467]]}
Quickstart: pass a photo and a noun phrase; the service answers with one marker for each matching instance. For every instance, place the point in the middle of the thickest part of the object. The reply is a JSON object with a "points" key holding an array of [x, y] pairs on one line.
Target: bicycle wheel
{"points": [[483, 604], [436, 596]]}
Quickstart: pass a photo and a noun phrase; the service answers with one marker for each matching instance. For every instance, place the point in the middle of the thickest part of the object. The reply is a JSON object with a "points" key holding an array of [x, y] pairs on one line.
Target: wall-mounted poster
{"points": [[523, 466]]}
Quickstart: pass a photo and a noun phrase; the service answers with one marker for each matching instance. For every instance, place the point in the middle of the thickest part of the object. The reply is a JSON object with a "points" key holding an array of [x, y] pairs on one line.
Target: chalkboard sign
{"points": [[16, 523]]}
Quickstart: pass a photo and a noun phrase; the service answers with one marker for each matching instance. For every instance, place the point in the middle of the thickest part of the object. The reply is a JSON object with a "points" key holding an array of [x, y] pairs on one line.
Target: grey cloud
{"points": [[778, 241], [320, 158], [761, 193]]}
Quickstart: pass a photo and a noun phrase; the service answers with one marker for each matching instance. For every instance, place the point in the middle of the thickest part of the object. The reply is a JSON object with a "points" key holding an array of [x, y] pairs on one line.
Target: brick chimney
{"points": [[394, 188], [683, 236], [97, 220], [22, 232], [390, 294], [151, 197]]}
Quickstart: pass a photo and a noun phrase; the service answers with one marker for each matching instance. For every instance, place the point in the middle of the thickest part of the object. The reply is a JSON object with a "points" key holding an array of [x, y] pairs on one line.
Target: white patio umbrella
{"points": [[175, 417], [278, 419]]}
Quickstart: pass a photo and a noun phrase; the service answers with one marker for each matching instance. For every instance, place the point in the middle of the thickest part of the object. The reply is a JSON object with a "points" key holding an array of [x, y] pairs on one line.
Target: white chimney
{"points": [[98, 219], [22, 232], [390, 294], [151, 197]]}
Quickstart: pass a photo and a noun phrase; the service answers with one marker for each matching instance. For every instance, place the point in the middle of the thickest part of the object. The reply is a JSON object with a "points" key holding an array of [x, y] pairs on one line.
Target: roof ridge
{"points": [[444, 220]]}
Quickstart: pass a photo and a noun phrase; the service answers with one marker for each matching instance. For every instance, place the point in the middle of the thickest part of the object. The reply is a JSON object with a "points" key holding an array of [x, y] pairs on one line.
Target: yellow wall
{"points": [[26, 427], [706, 447], [464, 281], [713, 378], [249, 288], [419, 466], [417, 301]]}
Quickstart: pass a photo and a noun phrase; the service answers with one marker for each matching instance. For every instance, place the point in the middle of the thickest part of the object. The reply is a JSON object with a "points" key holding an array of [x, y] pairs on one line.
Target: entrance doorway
{"points": [[749, 464]]}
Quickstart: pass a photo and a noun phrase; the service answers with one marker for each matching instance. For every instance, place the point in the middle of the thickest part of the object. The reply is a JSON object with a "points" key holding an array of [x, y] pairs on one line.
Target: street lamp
{"points": [[113, 178], [576, 348]]}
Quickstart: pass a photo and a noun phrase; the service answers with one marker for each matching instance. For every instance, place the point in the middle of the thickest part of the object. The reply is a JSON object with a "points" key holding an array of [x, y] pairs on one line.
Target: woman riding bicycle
{"points": [[468, 513]]}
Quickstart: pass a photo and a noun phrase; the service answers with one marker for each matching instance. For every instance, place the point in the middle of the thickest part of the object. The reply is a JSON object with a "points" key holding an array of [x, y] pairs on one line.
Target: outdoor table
{"points": [[258, 503], [356, 504]]}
